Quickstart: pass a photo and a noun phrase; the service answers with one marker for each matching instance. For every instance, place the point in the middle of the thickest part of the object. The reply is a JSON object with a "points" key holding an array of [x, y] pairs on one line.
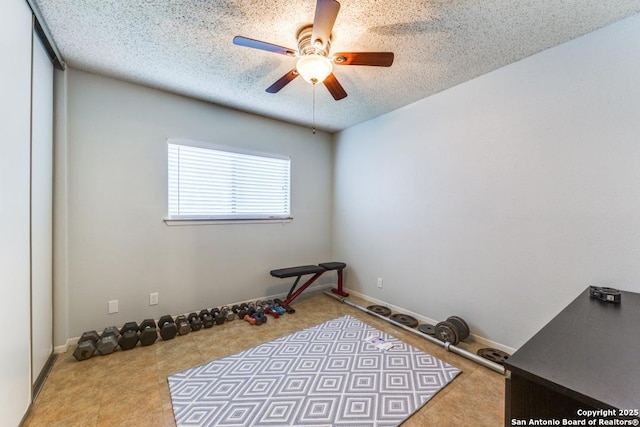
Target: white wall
{"points": [[501, 199], [15, 114], [118, 245]]}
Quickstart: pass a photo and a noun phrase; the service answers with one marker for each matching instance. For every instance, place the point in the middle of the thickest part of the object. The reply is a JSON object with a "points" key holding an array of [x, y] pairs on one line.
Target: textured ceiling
{"points": [[185, 46]]}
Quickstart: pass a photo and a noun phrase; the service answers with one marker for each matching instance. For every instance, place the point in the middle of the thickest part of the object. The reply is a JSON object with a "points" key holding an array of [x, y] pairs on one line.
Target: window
{"points": [[219, 183]]}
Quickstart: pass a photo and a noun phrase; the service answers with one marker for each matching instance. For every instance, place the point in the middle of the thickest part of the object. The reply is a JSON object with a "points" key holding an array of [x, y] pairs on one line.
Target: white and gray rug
{"points": [[333, 374]]}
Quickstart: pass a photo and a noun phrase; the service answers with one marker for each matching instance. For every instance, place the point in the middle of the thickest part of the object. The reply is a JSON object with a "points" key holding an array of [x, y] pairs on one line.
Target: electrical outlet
{"points": [[153, 298], [380, 282], [113, 306]]}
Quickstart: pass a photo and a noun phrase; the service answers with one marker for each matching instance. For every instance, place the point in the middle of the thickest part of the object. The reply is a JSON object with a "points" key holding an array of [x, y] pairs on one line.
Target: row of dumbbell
{"points": [[256, 313], [146, 333], [111, 338]]}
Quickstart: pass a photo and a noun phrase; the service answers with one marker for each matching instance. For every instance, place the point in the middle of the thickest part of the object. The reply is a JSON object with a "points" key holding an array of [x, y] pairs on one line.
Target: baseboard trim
{"points": [[422, 319], [46, 369]]}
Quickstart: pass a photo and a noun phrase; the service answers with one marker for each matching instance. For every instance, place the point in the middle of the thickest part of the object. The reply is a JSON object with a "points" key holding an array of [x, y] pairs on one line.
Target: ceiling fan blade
{"points": [[283, 81], [376, 59], [326, 14], [335, 88], [257, 44]]}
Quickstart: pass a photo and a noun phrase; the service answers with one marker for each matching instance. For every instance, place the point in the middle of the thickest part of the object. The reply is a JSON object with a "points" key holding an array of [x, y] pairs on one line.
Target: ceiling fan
{"points": [[315, 64]]}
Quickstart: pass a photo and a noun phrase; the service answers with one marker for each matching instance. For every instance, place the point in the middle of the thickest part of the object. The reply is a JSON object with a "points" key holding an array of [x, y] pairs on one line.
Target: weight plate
{"points": [[405, 320], [463, 328], [427, 329], [379, 309], [447, 332], [493, 354]]}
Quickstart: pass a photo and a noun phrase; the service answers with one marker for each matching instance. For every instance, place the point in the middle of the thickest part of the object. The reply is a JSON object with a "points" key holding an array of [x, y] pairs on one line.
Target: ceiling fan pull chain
{"points": [[313, 117]]}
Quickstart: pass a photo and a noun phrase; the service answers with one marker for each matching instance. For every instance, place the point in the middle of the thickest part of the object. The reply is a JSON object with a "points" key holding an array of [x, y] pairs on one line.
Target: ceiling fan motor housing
{"points": [[306, 46]]}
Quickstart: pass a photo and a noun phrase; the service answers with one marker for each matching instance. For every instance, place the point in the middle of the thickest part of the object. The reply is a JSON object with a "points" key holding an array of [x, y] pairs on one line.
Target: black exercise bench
{"points": [[317, 271]]}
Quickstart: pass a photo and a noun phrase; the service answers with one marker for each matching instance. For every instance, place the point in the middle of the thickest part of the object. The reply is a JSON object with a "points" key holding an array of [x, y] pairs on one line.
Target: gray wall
{"points": [[117, 244], [500, 199]]}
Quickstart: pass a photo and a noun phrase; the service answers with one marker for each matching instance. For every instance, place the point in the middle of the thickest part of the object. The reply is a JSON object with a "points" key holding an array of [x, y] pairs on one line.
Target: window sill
{"points": [[191, 221]]}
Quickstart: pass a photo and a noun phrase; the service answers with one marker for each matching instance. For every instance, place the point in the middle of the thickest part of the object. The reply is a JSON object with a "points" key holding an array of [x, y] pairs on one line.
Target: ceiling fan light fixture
{"points": [[314, 68]]}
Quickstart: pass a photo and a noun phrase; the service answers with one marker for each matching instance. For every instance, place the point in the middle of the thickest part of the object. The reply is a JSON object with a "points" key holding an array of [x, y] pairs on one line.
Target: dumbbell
{"points": [[128, 336], [148, 332], [217, 315], [111, 330], [278, 309], [168, 327], [206, 318], [269, 307], [250, 319], [239, 310], [183, 325], [229, 314], [250, 308], [260, 317], [288, 309], [268, 310], [194, 321], [274, 308], [260, 305], [108, 342], [453, 330], [86, 345]]}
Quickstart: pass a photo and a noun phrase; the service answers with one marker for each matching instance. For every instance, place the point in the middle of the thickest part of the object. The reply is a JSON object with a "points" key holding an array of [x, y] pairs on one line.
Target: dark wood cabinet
{"points": [[586, 358]]}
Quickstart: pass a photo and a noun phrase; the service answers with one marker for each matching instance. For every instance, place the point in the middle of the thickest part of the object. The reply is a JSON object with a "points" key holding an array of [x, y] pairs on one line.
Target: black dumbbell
{"points": [[183, 325], [128, 336], [129, 326], [194, 321], [206, 318], [111, 330], [239, 311], [86, 345], [168, 327], [148, 332], [249, 308], [107, 344], [108, 341], [218, 317]]}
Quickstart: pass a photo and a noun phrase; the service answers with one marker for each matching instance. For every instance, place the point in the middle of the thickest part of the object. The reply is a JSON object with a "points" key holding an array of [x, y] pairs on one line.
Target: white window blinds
{"points": [[212, 182]]}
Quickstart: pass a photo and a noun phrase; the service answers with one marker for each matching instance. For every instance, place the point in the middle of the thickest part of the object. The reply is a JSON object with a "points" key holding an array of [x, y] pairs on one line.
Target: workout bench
{"points": [[317, 271]]}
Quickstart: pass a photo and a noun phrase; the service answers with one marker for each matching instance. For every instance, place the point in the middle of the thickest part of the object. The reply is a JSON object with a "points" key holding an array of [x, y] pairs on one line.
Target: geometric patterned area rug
{"points": [[337, 373]]}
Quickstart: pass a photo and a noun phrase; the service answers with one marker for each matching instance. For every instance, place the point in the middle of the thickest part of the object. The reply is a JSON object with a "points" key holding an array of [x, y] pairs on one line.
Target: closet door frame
{"points": [[41, 212]]}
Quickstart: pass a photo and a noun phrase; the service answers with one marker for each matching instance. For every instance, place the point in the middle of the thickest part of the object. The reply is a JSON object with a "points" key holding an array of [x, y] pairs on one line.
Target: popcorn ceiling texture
{"points": [[185, 46]]}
